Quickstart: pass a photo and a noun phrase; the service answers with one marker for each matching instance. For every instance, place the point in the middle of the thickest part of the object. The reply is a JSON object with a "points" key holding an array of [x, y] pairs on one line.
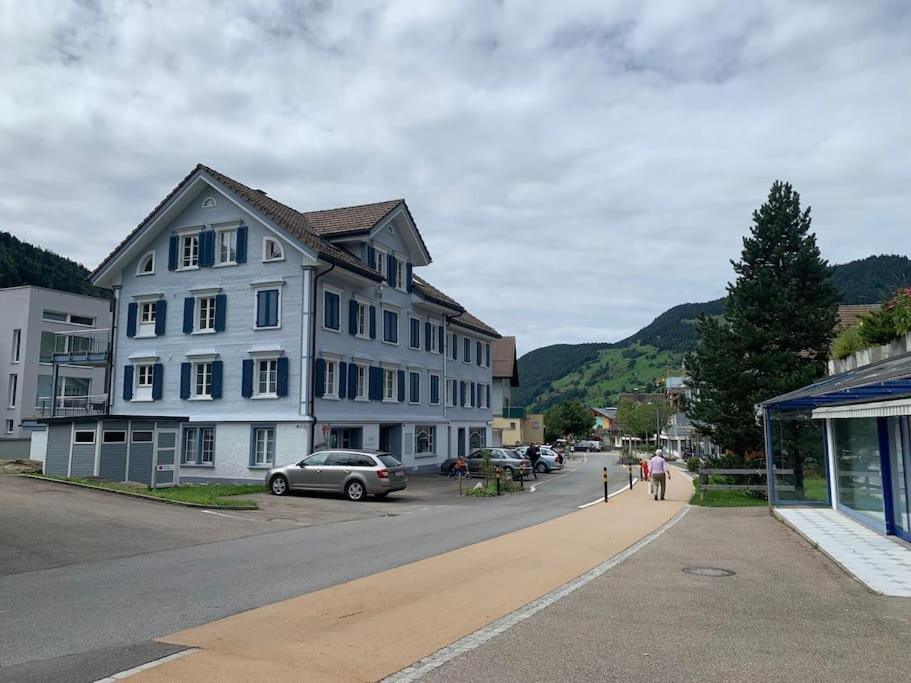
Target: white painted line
{"points": [[474, 640], [225, 514], [609, 495], [148, 665]]}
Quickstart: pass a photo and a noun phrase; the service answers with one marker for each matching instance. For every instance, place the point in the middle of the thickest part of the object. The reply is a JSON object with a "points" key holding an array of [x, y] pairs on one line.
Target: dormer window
{"points": [[146, 264], [272, 250]]}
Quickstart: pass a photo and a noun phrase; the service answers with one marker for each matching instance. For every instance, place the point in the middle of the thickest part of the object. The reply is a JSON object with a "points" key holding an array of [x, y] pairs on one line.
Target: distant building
{"points": [[511, 424], [38, 323]]}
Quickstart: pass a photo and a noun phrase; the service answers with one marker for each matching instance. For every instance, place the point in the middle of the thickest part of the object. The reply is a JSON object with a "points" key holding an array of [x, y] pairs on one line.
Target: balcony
{"points": [[71, 406], [511, 413], [82, 347]]}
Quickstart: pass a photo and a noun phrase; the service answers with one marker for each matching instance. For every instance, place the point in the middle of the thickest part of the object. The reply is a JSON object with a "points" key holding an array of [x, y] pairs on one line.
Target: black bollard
{"points": [[605, 484]]}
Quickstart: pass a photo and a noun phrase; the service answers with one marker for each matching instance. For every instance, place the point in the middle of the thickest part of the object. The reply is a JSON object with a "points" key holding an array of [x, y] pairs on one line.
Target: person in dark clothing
{"points": [[533, 454]]}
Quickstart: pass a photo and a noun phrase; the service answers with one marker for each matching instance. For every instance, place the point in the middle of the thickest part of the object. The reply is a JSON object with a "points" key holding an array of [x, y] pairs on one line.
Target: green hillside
{"points": [[22, 263], [596, 372]]}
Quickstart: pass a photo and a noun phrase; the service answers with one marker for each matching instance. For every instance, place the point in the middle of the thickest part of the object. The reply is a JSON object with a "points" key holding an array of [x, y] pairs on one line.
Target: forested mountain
{"points": [[596, 372], [24, 264]]}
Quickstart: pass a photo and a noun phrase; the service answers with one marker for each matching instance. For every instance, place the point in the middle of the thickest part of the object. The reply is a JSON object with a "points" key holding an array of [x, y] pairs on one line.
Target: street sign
{"points": [[165, 468]]}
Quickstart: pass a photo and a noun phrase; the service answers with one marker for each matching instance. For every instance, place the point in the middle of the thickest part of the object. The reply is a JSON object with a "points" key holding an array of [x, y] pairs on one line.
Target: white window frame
{"points": [[271, 377], [150, 308], [400, 283], [362, 380], [269, 440], [466, 399], [428, 430], [141, 391], [434, 336], [365, 320], [330, 378], [398, 325], [430, 377], [146, 258], [410, 398], [481, 390], [220, 234], [210, 313], [259, 287], [182, 261], [200, 368], [84, 431], [338, 293], [450, 382], [466, 357], [53, 320], [10, 426], [16, 346], [381, 255], [420, 332], [454, 346], [392, 396], [281, 250], [13, 390]]}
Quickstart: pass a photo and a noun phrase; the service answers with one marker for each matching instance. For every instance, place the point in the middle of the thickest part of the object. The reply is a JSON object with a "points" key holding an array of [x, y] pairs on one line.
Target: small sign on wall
{"points": [[164, 468]]}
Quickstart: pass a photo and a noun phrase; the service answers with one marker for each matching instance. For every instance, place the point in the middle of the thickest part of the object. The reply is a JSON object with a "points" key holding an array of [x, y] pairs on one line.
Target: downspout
{"points": [[115, 304], [312, 350]]}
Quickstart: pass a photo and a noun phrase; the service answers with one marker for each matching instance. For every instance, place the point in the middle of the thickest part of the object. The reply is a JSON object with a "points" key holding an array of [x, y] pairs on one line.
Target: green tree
{"points": [[643, 419], [568, 418], [779, 321]]}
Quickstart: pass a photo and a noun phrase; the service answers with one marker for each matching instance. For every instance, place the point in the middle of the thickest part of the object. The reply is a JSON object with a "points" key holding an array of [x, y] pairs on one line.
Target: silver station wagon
{"points": [[357, 474]]}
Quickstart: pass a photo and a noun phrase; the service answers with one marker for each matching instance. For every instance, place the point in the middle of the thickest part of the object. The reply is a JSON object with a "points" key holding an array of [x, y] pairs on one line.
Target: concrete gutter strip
{"points": [[143, 496]]}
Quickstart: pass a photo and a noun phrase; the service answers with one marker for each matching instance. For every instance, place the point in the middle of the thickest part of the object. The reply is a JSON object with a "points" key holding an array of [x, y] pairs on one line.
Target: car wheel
{"points": [[278, 485], [540, 468], [355, 491]]}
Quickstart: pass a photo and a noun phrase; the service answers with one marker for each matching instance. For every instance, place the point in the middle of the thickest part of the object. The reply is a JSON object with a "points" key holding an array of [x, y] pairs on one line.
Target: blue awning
{"points": [[883, 381]]}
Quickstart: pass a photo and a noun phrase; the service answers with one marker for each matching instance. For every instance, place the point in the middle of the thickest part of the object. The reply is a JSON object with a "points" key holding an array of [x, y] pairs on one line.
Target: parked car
{"points": [[549, 461], [505, 458], [590, 445], [357, 474]]}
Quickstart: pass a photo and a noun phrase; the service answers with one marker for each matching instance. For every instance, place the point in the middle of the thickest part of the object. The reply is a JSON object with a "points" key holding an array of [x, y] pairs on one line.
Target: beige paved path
{"points": [[369, 628]]}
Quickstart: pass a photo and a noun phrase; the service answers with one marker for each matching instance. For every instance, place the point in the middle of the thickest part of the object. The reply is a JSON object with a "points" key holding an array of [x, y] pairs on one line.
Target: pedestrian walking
{"points": [[534, 455], [643, 469], [660, 474]]}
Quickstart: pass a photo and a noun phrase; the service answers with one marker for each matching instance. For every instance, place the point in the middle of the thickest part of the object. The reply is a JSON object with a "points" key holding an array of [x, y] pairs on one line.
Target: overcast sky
{"points": [[575, 167]]}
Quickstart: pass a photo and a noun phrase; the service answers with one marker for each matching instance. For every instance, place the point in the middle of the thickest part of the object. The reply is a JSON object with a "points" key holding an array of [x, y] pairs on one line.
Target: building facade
{"points": [[276, 332], [38, 322]]}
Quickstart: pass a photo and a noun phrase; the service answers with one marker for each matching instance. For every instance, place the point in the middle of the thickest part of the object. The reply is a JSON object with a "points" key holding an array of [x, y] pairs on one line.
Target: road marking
{"points": [[474, 640], [609, 495], [148, 665], [225, 514], [549, 479]]}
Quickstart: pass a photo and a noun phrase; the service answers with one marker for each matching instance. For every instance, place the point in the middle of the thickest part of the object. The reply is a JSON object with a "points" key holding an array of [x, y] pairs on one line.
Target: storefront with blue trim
{"points": [[845, 442]]}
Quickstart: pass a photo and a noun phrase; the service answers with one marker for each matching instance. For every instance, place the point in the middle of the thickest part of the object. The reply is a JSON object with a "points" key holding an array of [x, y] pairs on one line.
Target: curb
{"points": [[141, 496]]}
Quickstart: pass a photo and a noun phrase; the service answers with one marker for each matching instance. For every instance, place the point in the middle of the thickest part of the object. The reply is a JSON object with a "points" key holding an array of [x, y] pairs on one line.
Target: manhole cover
{"points": [[709, 571]]}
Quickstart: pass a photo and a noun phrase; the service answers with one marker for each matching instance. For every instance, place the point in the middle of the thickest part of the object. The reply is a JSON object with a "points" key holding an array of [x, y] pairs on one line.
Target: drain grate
{"points": [[713, 572]]}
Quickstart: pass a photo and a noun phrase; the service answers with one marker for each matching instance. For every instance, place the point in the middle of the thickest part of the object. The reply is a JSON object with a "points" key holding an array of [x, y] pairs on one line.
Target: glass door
{"points": [[900, 474]]}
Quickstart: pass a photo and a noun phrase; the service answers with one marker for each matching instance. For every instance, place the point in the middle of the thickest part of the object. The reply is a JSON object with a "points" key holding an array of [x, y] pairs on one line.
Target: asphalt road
{"points": [[90, 606], [786, 614]]}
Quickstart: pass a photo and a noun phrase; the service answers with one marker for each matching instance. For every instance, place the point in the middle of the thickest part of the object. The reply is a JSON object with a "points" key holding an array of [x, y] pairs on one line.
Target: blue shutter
{"points": [[273, 308], [320, 377], [127, 382], [261, 309], [455, 393], [441, 342], [172, 252], [487, 389], [221, 309], [461, 394], [455, 347], [157, 378], [473, 391], [417, 388], [487, 354], [352, 317], [477, 349], [189, 304], [185, 381], [246, 383], [401, 385], [217, 375], [342, 380], [281, 380], [131, 319], [206, 248], [161, 314], [371, 383], [390, 270], [352, 380], [242, 244], [373, 322], [409, 275], [371, 256], [434, 389], [427, 328]]}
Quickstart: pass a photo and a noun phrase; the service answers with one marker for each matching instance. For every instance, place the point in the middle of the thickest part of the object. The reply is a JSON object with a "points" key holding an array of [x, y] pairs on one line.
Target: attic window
{"points": [[146, 264], [272, 250], [390, 230], [208, 203]]}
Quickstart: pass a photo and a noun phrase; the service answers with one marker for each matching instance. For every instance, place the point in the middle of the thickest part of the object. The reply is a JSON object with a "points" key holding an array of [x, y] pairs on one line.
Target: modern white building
{"points": [[37, 322]]}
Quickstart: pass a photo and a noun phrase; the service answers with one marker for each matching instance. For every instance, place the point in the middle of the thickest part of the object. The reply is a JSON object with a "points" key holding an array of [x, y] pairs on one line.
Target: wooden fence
{"points": [[704, 485]]}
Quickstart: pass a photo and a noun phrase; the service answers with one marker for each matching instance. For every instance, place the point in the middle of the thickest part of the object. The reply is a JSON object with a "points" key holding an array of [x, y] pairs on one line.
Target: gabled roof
{"points": [[503, 360], [350, 218], [465, 319], [468, 321], [849, 314], [292, 221], [606, 412]]}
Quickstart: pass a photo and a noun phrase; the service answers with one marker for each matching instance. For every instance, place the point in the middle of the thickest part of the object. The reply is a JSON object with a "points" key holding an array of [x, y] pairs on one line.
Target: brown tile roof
{"points": [[503, 359], [350, 218], [291, 220], [465, 319], [849, 315], [468, 321]]}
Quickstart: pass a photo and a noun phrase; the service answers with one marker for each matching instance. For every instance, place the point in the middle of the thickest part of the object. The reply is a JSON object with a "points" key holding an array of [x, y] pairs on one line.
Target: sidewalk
{"points": [[372, 627], [788, 613]]}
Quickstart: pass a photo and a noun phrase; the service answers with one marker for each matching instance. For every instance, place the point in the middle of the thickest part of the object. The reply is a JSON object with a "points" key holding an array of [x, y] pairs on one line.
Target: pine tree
{"points": [[779, 320]]}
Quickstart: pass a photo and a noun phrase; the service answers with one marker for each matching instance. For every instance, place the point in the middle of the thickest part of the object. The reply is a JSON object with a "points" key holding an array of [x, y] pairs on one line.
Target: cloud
{"points": [[576, 167]]}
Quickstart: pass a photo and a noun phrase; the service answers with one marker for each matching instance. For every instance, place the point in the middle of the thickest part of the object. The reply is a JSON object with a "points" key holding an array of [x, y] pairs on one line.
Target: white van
{"points": [[588, 445]]}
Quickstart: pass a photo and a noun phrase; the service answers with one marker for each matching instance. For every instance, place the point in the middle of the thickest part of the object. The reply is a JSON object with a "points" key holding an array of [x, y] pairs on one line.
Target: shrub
{"points": [[848, 341], [693, 463], [877, 327], [900, 309]]}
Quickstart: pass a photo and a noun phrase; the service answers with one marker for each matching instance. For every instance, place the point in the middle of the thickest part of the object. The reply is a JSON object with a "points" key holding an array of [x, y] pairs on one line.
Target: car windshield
{"points": [[389, 461]]}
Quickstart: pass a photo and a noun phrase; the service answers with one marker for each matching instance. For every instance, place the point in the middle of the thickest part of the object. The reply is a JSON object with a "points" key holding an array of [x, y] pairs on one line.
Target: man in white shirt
{"points": [[659, 473]]}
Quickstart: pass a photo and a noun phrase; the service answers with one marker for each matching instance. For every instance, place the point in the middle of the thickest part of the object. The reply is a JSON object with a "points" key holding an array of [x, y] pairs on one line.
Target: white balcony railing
{"points": [[70, 406]]}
